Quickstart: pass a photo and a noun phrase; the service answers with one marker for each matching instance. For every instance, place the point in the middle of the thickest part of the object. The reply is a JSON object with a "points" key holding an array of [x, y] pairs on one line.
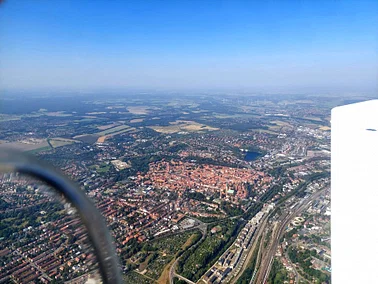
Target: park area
{"points": [[155, 258]]}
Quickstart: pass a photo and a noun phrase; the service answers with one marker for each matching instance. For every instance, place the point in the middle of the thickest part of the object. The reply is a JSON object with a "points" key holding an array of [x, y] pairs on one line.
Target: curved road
{"points": [[172, 271]]}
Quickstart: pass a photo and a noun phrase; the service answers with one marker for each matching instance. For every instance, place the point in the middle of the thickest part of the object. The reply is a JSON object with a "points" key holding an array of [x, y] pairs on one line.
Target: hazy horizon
{"points": [[267, 47]]}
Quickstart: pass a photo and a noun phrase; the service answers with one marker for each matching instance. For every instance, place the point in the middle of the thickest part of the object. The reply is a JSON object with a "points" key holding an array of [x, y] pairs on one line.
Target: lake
{"points": [[251, 156]]}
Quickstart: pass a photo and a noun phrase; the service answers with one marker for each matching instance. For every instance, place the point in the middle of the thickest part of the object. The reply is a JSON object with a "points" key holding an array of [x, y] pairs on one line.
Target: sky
{"points": [[267, 46]]}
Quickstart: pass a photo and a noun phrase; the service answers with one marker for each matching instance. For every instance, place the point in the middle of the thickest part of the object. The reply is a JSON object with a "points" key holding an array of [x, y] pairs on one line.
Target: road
{"points": [[172, 271], [259, 231], [298, 276], [265, 255], [284, 220], [31, 263]]}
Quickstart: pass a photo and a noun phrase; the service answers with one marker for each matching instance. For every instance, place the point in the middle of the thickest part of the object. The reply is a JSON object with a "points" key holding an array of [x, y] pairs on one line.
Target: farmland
{"points": [[112, 130], [182, 125], [138, 109], [26, 145]]}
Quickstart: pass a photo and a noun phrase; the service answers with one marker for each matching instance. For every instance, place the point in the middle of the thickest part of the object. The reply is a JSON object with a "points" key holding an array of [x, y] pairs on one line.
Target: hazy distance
{"points": [[265, 46]]}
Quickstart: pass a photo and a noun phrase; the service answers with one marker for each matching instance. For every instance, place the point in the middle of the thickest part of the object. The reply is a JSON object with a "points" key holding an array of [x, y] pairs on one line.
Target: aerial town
{"points": [[195, 189]]}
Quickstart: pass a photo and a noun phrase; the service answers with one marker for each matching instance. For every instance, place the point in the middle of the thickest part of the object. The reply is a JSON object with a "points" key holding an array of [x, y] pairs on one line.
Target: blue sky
{"points": [[272, 46]]}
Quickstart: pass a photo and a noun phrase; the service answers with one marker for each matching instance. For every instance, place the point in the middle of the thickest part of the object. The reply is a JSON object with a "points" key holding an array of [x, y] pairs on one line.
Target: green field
{"points": [[103, 168], [112, 130], [156, 266], [59, 142], [36, 151], [171, 244], [134, 277]]}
